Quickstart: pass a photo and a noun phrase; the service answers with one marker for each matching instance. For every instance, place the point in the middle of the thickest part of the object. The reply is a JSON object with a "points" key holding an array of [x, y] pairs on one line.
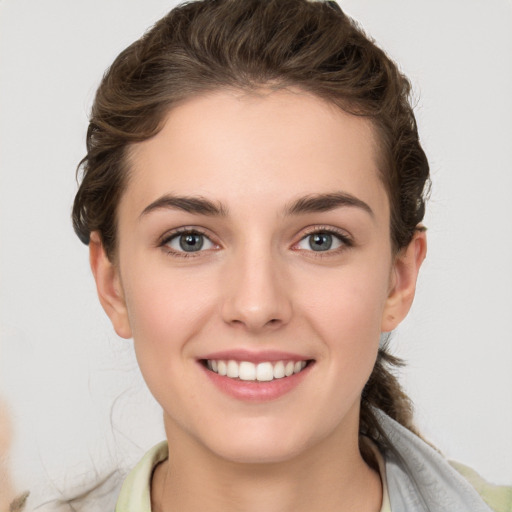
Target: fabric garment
{"points": [[420, 479], [415, 478], [385, 505]]}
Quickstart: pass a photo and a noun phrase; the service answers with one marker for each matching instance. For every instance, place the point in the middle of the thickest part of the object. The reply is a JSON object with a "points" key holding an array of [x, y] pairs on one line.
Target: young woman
{"points": [[252, 197]]}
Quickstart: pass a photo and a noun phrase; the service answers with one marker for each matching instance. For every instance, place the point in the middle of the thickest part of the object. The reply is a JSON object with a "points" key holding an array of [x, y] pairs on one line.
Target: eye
{"points": [[323, 241], [188, 241]]}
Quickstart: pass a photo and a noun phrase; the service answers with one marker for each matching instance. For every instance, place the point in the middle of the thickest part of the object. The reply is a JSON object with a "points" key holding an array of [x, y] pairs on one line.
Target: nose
{"points": [[257, 292]]}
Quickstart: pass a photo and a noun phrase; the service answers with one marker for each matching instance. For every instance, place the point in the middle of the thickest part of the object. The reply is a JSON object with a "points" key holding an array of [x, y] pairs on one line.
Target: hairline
{"points": [[256, 89]]}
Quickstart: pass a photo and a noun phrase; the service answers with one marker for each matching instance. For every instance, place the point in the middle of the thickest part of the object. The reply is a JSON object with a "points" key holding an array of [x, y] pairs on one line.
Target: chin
{"points": [[259, 453], [262, 443]]}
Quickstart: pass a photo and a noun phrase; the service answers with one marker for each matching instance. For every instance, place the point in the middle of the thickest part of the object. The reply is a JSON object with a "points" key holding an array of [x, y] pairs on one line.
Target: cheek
{"points": [[163, 311], [160, 299], [348, 301], [346, 313]]}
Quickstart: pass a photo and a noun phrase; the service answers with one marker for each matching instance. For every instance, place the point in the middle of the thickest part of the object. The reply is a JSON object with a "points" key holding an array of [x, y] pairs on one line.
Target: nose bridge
{"points": [[256, 294]]}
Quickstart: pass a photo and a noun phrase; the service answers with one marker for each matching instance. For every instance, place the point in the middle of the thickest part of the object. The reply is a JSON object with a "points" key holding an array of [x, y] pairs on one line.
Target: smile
{"points": [[260, 372]]}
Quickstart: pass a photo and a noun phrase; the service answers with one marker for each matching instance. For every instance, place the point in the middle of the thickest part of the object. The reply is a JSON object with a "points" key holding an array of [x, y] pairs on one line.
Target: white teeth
{"points": [[222, 368], [232, 370], [289, 368], [264, 372], [279, 370], [247, 371], [261, 372]]}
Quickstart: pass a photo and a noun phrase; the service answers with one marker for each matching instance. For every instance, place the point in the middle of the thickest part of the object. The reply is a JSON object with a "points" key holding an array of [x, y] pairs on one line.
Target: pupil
{"points": [[320, 242], [191, 242]]}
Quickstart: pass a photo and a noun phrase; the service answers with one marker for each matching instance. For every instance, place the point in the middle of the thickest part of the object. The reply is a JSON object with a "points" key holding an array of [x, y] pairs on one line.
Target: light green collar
{"points": [[135, 495]]}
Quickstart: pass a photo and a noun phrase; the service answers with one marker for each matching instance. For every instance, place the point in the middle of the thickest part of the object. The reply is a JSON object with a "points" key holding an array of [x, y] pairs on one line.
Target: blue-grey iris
{"points": [[320, 241], [191, 242]]}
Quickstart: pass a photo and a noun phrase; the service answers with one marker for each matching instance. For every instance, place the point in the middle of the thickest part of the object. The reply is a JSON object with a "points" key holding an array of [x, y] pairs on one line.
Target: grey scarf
{"points": [[419, 479]]}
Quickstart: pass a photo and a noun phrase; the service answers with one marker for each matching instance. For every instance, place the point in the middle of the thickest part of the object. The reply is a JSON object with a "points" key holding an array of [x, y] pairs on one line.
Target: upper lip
{"points": [[255, 357]]}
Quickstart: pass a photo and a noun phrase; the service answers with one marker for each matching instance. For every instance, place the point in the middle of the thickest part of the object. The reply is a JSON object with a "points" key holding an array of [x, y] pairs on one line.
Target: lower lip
{"points": [[256, 391]]}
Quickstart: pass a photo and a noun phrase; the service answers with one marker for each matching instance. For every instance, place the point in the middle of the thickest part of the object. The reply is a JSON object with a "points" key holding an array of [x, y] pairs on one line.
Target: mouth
{"points": [[265, 371]]}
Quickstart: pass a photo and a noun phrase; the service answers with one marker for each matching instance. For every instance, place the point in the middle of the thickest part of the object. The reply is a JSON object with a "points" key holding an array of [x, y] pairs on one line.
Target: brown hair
{"points": [[248, 44]]}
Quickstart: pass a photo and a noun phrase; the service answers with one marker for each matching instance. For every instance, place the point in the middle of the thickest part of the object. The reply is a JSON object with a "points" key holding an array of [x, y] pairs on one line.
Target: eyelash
{"points": [[343, 238], [166, 239]]}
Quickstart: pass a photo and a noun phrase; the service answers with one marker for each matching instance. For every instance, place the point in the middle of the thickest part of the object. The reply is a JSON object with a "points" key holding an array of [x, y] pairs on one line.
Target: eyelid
{"points": [[164, 240], [344, 237]]}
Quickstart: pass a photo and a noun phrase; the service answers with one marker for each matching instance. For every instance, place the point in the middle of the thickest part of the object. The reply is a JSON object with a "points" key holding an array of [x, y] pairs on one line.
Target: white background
{"points": [[78, 404]]}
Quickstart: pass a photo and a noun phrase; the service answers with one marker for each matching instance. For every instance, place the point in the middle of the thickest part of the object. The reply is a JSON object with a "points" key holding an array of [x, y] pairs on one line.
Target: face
{"points": [[254, 241]]}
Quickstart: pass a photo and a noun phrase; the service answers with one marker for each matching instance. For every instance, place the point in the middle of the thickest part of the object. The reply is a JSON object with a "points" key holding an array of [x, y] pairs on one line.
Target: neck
{"points": [[324, 478]]}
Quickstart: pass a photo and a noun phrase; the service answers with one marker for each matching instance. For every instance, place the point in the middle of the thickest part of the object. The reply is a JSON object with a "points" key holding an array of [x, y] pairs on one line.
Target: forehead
{"points": [[243, 146]]}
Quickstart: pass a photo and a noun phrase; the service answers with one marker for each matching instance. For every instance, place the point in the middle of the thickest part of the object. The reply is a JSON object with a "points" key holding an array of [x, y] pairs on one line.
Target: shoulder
{"points": [[498, 497]]}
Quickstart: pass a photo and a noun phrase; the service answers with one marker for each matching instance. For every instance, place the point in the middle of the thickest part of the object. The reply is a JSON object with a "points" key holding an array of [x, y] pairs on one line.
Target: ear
{"points": [[108, 284], [403, 281]]}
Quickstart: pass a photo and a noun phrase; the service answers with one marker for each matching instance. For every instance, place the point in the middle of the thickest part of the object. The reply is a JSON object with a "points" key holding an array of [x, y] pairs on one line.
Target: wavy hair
{"points": [[207, 45]]}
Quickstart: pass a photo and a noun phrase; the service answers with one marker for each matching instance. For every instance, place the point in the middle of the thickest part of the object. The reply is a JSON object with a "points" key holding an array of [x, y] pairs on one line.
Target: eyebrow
{"points": [[197, 205], [308, 204], [326, 202]]}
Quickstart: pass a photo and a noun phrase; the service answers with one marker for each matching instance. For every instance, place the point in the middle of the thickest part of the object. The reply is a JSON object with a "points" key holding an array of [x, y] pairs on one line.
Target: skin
{"points": [[258, 285]]}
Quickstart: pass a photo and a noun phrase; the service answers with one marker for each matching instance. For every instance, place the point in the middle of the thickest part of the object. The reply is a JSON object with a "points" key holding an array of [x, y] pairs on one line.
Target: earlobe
{"points": [[404, 275], [108, 285]]}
